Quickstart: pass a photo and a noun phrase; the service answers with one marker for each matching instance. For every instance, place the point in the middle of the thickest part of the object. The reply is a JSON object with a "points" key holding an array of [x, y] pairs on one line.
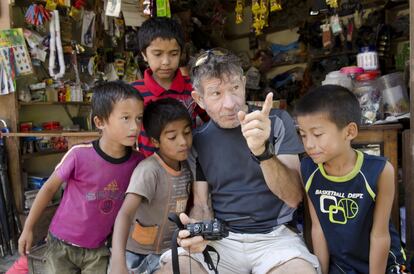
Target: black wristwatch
{"points": [[267, 154]]}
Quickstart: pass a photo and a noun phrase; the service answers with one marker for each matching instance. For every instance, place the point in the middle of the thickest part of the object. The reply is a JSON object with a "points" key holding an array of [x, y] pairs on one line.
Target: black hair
{"points": [[105, 95], [338, 102], [159, 27], [158, 114]]}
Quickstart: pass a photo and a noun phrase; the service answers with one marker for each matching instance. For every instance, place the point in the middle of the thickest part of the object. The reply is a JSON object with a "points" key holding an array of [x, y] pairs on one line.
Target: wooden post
{"points": [[5, 21], [409, 185]]}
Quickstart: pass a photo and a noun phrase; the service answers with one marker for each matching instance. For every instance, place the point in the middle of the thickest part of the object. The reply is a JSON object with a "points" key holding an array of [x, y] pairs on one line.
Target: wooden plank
{"points": [[8, 111], [54, 103], [14, 171], [51, 133], [391, 152], [406, 168], [409, 189], [4, 15]]}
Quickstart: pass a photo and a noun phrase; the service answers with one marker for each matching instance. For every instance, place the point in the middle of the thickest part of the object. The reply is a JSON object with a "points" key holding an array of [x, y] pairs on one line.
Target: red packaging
{"points": [[51, 125], [26, 126]]}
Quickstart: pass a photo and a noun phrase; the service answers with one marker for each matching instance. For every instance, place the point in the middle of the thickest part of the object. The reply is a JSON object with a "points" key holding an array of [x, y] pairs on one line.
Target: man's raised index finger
{"points": [[268, 103]]}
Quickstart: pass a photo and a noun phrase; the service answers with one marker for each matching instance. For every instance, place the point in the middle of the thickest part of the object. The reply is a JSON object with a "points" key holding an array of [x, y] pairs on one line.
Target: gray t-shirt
{"points": [[236, 182], [164, 190]]}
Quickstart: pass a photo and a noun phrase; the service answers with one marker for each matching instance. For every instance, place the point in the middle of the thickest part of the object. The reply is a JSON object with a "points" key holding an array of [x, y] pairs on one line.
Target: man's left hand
{"points": [[255, 126]]}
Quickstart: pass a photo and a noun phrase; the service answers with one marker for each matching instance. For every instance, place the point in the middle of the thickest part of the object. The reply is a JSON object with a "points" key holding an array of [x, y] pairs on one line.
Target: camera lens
{"points": [[197, 228]]}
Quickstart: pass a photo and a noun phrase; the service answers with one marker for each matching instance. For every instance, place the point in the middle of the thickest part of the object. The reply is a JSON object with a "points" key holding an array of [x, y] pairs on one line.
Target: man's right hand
{"points": [[195, 244], [25, 242]]}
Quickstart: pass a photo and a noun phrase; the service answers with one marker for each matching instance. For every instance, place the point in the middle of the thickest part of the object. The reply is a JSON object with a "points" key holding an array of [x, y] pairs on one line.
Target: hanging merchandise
{"points": [[76, 9], [55, 46], [146, 4], [239, 11], [131, 69], [275, 5], [51, 5], [260, 12], [7, 83], [332, 3], [37, 15], [349, 34], [74, 61], [163, 8], [64, 3], [14, 59], [120, 67], [79, 4], [358, 18], [88, 29], [335, 25], [35, 41], [113, 8], [131, 40], [326, 35], [264, 4], [119, 30]]}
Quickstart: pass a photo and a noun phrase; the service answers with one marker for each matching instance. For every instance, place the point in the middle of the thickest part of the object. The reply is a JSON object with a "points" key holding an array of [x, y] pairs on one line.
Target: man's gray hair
{"points": [[214, 66]]}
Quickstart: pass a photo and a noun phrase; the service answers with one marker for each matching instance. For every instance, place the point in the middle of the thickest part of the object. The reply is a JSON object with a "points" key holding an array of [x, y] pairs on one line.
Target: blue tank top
{"points": [[345, 208]]}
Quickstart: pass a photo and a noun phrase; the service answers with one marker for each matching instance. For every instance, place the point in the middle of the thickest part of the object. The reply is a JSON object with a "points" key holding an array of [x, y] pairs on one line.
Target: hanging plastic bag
{"points": [[163, 8]]}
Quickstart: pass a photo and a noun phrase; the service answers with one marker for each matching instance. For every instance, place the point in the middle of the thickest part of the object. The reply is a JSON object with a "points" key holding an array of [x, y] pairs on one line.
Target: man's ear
{"points": [[144, 55], [198, 98], [351, 131], [155, 142], [99, 123]]}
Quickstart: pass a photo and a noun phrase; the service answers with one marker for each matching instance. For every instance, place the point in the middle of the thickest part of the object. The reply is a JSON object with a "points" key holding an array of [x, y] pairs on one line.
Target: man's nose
{"points": [[228, 101]]}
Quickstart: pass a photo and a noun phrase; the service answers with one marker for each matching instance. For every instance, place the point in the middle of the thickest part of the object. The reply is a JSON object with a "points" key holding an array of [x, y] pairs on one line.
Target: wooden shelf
{"points": [[37, 154], [266, 30], [334, 54], [381, 127], [400, 39], [289, 63], [51, 133], [54, 103]]}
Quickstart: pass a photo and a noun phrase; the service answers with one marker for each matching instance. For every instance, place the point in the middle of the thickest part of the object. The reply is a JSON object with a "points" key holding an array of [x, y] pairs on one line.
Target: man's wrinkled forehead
{"points": [[215, 83]]}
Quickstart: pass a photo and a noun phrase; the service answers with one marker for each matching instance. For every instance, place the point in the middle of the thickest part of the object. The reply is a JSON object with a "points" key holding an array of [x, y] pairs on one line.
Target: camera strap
{"points": [[174, 246]]}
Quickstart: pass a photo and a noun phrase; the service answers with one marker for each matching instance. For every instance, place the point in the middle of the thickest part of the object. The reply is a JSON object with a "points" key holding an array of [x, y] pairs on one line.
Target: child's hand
{"points": [[256, 125], [25, 242], [195, 244]]}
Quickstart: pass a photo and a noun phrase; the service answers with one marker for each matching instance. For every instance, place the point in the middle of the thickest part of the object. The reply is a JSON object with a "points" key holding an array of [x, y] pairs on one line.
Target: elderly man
{"points": [[247, 160]]}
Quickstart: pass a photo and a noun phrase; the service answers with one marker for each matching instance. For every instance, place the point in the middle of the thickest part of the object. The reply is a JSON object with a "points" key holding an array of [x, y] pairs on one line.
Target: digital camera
{"points": [[212, 230]]}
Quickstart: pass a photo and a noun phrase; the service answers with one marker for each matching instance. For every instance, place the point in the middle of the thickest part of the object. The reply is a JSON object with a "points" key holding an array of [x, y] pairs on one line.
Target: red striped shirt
{"points": [[180, 89]]}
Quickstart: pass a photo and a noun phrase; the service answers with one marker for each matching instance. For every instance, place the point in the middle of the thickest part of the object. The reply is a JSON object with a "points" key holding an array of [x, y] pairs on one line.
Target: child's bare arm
{"points": [[320, 247], [43, 198], [121, 230], [380, 235]]}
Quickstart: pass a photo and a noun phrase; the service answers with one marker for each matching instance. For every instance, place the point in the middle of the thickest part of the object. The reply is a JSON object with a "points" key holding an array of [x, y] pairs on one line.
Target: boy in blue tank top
{"points": [[350, 194]]}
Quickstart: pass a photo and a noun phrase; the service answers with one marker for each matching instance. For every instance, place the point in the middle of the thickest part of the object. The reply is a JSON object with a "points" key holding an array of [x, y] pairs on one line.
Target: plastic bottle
{"points": [[367, 91], [51, 93]]}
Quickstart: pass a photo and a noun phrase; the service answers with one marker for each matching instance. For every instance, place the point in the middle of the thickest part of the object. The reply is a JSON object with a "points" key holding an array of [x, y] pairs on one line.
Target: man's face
{"points": [[223, 99]]}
